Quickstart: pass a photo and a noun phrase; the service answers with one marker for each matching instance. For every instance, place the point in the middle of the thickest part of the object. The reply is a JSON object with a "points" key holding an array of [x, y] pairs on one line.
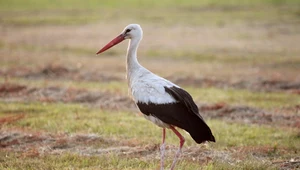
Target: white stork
{"points": [[161, 101]]}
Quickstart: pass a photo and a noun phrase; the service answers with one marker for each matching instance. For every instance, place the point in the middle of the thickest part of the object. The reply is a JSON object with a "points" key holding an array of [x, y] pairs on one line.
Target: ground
{"points": [[63, 107]]}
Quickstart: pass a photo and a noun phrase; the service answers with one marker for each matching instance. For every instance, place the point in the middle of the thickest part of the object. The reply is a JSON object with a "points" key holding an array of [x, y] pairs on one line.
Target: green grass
{"points": [[70, 161], [250, 164], [242, 135], [67, 12], [71, 118], [169, 17], [264, 100], [92, 4]]}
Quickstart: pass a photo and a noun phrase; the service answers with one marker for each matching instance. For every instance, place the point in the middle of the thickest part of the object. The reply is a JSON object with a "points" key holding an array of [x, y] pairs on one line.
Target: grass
{"points": [[264, 100], [71, 161], [170, 17], [50, 20], [35, 48], [120, 126], [166, 12], [224, 59], [73, 118], [249, 165], [92, 4], [110, 86], [279, 60]]}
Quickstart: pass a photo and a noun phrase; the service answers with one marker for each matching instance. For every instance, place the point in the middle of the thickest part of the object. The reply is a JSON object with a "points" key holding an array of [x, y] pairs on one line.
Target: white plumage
{"points": [[157, 121], [150, 88]]}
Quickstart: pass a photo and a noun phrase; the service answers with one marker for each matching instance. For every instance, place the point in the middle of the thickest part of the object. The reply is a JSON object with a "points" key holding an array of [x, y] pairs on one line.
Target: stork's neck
{"points": [[132, 62]]}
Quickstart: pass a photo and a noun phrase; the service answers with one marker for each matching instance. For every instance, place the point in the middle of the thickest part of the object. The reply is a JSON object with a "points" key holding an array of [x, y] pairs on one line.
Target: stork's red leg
{"points": [[162, 149], [164, 135], [182, 140]]}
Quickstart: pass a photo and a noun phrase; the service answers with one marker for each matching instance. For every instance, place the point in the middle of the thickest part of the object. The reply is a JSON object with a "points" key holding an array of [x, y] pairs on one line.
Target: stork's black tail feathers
{"points": [[194, 122], [199, 131]]}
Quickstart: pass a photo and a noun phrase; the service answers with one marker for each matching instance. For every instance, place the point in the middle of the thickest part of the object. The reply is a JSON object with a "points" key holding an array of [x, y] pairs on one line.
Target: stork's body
{"points": [[161, 101]]}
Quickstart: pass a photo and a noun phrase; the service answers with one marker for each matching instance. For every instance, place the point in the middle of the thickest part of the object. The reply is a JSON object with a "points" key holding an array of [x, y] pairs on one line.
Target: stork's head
{"points": [[131, 31]]}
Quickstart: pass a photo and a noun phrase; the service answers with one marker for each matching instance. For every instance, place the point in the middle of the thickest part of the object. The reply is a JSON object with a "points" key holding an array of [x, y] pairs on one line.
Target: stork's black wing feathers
{"points": [[183, 113], [185, 98]]}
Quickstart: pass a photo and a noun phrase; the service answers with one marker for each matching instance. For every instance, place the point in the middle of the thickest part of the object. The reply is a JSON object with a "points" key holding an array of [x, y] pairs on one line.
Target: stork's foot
{"points": [[162, 150], [162, 156], [178, 153]]}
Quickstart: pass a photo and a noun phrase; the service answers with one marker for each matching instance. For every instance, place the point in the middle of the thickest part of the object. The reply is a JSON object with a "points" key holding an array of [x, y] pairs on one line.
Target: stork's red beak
{"points": [[112, 43]]}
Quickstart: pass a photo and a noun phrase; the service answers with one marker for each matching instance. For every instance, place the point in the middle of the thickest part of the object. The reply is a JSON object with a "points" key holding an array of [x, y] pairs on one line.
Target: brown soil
{"points": [[250, 115], [267, 85], [54, 71], [11, 88], [98, 99]]}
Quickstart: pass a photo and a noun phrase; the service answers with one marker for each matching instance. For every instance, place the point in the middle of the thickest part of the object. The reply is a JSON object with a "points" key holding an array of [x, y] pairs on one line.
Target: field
{"points": [[63, 107]]}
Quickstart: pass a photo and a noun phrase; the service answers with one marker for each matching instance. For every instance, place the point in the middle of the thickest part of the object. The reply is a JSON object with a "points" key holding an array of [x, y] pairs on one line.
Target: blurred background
{"points": [[240, 60], [235, 33]]}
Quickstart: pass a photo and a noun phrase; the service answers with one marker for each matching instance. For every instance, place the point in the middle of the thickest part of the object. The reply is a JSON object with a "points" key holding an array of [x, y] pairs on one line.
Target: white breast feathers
{"points": [[147, 87]]}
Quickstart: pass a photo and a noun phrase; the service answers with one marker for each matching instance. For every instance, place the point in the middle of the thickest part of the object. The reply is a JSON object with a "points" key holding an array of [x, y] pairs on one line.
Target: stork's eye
{"points": [[127, 30]]}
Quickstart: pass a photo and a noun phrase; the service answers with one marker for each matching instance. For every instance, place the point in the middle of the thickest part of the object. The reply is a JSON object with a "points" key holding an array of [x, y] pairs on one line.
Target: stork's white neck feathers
{"points": [[132, 63]]}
